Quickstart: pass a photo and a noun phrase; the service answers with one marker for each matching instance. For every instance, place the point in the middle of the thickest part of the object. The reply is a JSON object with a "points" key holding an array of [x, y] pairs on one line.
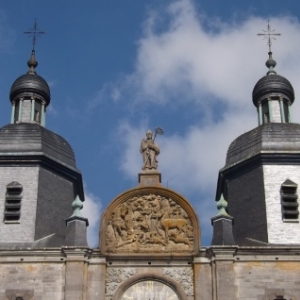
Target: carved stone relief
{"points": [[184, 276], [149, 223], [115, 276]]}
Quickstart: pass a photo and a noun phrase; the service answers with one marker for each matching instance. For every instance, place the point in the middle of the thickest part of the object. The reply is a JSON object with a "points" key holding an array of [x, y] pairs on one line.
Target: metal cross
{"points": [[34, 33], [269, 34]]}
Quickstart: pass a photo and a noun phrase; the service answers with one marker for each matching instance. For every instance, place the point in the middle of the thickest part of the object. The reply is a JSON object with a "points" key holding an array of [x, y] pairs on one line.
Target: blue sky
{"points": [[117, 68]]}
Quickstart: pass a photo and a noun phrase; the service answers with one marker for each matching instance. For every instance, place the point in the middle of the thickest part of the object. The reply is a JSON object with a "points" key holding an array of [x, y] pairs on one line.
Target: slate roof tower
{"points": [[262, 169], [39, 178]]}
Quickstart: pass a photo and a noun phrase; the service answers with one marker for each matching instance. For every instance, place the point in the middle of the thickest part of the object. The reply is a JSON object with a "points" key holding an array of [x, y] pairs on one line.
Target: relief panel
{"points": [[149, 224]]}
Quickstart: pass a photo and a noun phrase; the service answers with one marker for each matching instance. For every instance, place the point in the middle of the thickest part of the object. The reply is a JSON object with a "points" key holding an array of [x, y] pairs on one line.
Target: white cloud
{"points": [[186, 61], [200, 153], [211, 69], [92, 210]]}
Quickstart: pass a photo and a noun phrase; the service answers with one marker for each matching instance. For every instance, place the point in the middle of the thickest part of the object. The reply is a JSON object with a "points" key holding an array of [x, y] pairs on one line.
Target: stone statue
{"points": [[149, 151]]}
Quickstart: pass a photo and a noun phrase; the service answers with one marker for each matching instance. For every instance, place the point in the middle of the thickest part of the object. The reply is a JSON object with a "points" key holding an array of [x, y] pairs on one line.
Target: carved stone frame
{"points": [[164, 192], [149, 276]]}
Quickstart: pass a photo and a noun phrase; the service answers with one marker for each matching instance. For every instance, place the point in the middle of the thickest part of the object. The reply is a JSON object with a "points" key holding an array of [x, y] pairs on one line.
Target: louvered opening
{"points": [[289, 200], [12, 211]]}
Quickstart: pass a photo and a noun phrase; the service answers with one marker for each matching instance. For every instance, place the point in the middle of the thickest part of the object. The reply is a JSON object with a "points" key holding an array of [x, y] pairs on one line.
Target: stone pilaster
{"points": [[223, 276], [75, 274], [202, 278], [96, 279]]}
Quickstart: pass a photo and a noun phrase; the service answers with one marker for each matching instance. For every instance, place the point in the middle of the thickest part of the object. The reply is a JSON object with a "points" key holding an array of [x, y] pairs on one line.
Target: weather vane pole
{"points": [[34, 33], [269, 35]]}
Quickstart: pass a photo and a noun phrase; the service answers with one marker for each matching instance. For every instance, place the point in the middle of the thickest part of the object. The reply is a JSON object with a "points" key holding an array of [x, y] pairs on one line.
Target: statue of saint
{"points": [[149, 151]]}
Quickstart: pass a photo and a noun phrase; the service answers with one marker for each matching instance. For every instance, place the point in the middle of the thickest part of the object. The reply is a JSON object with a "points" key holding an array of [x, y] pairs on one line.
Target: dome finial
{"points": [[270, 34], [271, 63], [32, 63]]}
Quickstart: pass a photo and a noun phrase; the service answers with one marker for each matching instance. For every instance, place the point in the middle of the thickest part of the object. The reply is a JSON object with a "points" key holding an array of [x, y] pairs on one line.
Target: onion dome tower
{"points": [[29, 95], [262, 171], [39, 178], [273, 95]]}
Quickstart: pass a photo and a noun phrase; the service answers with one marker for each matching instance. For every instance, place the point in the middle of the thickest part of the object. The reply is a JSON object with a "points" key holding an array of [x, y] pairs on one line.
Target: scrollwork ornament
{"points": [[184, 276], [115, 276]]}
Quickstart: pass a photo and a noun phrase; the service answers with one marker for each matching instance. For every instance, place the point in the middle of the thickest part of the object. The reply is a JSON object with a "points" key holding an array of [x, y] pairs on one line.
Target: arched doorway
{"points": [[149, 290]]}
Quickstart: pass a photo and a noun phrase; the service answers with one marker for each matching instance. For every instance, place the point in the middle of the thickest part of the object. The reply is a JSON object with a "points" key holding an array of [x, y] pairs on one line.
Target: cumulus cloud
{"points": [[193, 58], [92, 210], [199, 65], [197, 59]]}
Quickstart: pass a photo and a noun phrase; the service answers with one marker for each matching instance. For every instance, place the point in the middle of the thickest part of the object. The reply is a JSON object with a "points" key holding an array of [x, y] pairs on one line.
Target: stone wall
{"points": [[280, 231], [217, 273], [34, 275], [23, 231]]}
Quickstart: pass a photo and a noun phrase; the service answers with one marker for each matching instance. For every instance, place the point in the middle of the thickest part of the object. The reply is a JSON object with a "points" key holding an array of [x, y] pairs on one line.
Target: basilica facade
{"points": [[150, 236]]}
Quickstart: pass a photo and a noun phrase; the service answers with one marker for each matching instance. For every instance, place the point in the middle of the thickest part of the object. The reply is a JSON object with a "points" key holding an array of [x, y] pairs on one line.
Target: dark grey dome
{"points": [[272, 85], [29, 84], [31, 138], [267, 138]]}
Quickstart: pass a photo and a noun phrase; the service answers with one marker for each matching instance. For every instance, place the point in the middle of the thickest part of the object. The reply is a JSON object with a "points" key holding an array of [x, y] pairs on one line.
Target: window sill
{"points": [[11, 222], [290, 221]]}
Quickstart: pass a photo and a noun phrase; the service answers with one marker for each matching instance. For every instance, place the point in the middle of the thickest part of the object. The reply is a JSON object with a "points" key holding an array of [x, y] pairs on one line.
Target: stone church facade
{"points": [[150, 236]]}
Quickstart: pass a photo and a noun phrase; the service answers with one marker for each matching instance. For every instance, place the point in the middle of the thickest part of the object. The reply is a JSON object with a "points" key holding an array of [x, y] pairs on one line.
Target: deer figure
{"points": [[168, 223]]}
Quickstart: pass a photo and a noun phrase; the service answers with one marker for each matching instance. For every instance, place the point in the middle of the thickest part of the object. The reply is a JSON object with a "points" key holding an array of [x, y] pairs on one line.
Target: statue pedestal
{"points": [[149, 178]]}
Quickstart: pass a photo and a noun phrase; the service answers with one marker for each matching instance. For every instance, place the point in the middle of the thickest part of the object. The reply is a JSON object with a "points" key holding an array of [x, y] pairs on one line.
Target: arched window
{"points": [[13, 199]]}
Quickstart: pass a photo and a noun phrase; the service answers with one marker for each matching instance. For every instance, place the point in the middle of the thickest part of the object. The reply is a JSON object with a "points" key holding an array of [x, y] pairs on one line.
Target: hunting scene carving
{"points": [[149, 223]]}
